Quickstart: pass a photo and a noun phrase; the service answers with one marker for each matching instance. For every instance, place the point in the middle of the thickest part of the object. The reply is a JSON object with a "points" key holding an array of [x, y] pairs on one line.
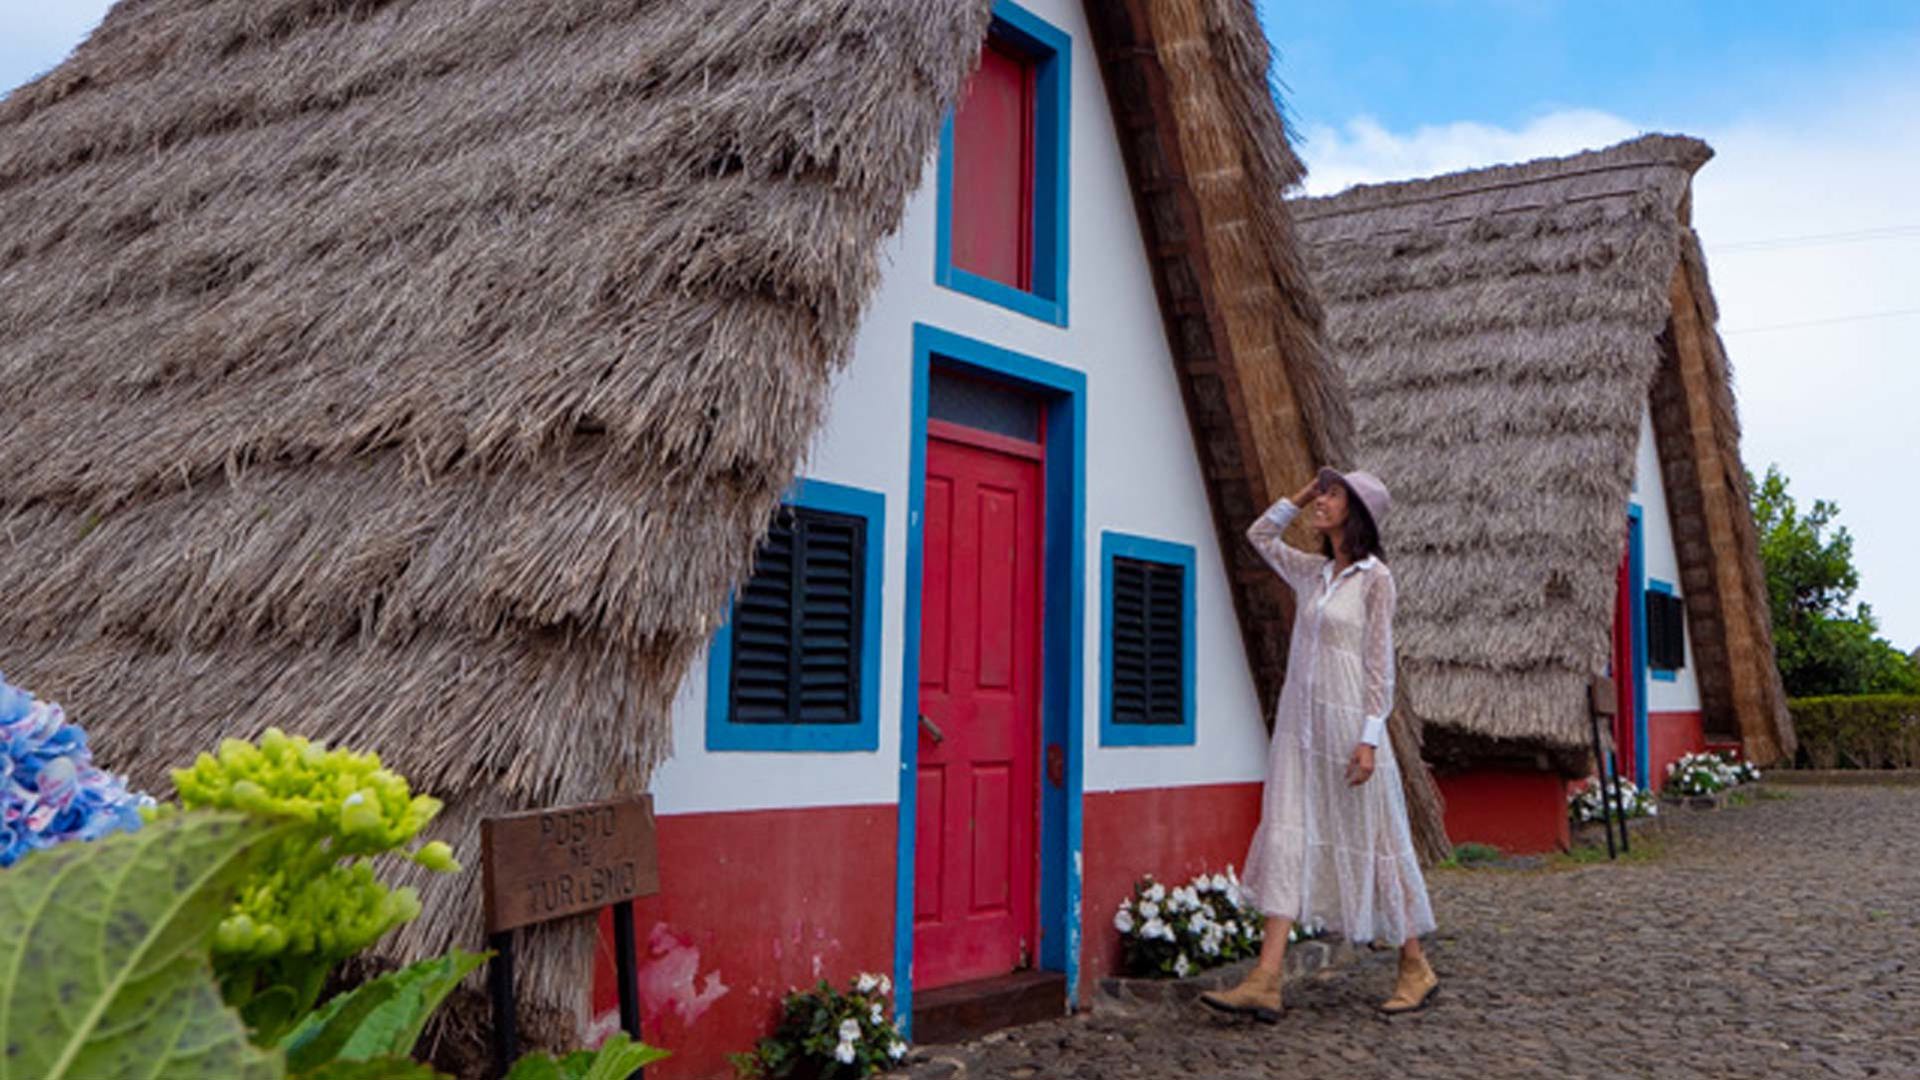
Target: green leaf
{"points": [[270, 1013], [104, 968], [382, 1018], [386, 1068], [535, 1067], [616, 1059]]}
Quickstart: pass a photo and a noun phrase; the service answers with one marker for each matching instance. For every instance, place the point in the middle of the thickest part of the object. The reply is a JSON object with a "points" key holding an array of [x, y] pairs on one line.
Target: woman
{"points": [[1334, 847]]}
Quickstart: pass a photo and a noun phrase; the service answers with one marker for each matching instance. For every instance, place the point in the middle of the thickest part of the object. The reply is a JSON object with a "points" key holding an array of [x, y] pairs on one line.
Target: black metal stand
{"points": [[626, 966], [506, 1036], [626, 969], [1609, 792], [1619, 813]]}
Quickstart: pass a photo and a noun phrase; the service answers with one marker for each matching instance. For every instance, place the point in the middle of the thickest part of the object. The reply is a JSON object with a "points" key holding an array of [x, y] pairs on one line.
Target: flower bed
{"points": [[1174, 933], [1707, 774], [1586, 805], [827, 1034]]}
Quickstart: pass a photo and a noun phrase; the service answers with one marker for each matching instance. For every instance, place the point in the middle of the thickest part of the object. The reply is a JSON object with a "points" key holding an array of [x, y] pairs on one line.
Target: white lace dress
{"points": [[1327, 852]]}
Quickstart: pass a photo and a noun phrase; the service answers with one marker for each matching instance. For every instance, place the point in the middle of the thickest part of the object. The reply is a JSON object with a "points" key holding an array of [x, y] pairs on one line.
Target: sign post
{"points": [[550, 864]]}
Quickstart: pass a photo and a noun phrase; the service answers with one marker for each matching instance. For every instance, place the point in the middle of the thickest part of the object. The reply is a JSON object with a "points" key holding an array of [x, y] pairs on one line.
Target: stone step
{"points": [[968, 1010]]}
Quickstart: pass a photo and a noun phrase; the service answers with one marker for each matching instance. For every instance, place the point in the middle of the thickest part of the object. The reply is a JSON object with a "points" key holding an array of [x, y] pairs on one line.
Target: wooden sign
{"points": [[548, 864], [1602, 696]]}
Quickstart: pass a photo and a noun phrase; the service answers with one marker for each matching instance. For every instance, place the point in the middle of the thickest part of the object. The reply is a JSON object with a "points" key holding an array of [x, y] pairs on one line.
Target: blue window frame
{"points": [[725, 730], [1051, 50], [1666, 631], [1136, 707]]}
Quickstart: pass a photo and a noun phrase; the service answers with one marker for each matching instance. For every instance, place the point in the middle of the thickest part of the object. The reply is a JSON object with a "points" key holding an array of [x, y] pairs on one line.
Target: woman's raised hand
{"points": [[1327, 477]]}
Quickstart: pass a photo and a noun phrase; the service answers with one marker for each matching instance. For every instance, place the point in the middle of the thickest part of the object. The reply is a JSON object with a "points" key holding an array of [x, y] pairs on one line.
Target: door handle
{"points": [[932, 729]]}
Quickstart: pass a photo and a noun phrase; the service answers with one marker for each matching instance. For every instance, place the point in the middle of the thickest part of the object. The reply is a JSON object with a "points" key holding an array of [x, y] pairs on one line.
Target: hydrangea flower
{"points": [[1123, 920], [50, 790], [897, 1050], [849, 1030], [843, 1053]]}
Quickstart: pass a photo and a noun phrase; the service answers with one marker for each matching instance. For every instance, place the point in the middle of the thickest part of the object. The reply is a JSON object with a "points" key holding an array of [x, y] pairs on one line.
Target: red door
{"points": [[1623, 674], [977, 818]]}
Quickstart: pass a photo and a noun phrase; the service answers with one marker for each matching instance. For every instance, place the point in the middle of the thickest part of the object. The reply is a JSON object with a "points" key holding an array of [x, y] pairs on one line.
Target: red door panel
{"points": [[977, 820], [993, 170], [1623, 749]]}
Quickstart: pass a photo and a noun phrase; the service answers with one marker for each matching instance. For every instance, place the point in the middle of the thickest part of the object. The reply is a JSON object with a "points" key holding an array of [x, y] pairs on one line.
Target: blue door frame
{"points": [[1062, 649]]}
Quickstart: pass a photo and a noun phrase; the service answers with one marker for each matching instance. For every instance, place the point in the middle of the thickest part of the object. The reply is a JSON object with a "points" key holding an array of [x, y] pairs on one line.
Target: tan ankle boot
{"points": [[1258, 995], [1414, 989]]}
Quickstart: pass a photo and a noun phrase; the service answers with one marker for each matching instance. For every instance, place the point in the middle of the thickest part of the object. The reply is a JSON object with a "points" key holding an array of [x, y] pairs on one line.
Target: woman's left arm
{"points": [[1376, 698]]}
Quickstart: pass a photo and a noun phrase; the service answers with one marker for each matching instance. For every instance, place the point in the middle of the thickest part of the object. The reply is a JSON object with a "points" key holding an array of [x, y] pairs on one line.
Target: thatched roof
{"points": [[1502, 331], [422, 375]]}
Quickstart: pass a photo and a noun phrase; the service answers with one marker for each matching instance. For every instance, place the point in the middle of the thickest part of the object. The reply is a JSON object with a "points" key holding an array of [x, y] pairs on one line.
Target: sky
{"points": [[1808, 211]]}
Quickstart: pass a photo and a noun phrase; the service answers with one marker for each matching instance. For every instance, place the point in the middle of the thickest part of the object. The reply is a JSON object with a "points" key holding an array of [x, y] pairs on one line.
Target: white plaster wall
{"points": [[1142, 477], [1662, 559]]}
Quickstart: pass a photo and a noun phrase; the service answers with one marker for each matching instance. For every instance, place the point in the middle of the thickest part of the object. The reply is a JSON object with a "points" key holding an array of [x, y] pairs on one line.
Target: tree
{"points": [[1825, 644]]}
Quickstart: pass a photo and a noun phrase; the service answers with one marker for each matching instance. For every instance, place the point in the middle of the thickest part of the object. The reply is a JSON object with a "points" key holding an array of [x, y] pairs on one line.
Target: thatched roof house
{"points": [[422, 376], [1504, 332]]}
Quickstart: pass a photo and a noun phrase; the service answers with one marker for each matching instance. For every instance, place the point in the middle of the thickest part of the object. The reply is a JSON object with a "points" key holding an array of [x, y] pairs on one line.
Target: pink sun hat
{"points": [[1371, 492]]}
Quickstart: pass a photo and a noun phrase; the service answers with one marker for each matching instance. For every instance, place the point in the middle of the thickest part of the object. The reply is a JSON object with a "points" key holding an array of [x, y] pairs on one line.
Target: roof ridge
{"points": [[1680, 151]]}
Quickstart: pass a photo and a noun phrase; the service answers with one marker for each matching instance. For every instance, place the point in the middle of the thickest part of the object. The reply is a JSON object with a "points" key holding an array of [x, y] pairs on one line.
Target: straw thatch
{"points": [[421, 375], [1502, 332]]}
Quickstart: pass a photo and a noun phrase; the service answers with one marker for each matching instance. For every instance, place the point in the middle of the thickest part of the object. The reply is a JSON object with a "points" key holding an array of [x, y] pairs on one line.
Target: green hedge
{"points": [[1880, 731]]}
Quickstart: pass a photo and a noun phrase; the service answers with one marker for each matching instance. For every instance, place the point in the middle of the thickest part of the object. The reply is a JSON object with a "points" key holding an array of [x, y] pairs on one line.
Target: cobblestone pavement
{"points": [[1775, 939]]}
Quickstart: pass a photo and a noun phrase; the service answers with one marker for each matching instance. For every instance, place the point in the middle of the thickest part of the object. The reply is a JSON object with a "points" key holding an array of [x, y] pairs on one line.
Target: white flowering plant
{"points": [[1706, 773], [829, 1034], [1635, 801], [1175, 932]]}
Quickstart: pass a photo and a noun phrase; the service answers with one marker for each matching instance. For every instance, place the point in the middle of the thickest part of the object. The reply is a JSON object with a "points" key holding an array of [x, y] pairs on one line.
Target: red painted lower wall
{"points": [[752, 904], [1669, 735], [1515, 810], [755, 903], [1171, 833]]}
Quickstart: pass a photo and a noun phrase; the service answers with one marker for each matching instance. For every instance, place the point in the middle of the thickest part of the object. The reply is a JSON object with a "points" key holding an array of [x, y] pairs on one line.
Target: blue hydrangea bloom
{"points": [[50, 791]]}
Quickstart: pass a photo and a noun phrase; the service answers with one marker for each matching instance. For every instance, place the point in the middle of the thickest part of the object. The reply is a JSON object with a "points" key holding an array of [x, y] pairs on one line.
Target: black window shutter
{"points": [[1666, 632], [1148, 642], [797, 625]]}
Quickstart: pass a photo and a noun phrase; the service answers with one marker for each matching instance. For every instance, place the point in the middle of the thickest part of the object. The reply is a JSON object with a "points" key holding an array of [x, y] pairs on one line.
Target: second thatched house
{"points": [[1534, 369], [694, 398]]}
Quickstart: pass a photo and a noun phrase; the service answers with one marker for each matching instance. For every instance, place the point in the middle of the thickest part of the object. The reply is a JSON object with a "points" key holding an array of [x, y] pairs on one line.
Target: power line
{"points": [[1825, 322], [1778, 243]]}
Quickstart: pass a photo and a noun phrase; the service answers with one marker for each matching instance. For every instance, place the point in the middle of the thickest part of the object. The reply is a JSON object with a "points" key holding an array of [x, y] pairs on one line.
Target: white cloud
{"points": [[1362, 151], [1834, 404]]}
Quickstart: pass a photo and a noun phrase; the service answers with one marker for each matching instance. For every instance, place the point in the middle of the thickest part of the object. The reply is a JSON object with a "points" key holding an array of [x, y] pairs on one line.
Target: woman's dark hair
{"points": [[1359, 534]]}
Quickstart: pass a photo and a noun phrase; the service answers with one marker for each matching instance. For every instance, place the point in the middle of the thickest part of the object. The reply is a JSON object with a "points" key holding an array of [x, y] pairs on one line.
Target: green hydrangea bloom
{"points": [[315, 899]]}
